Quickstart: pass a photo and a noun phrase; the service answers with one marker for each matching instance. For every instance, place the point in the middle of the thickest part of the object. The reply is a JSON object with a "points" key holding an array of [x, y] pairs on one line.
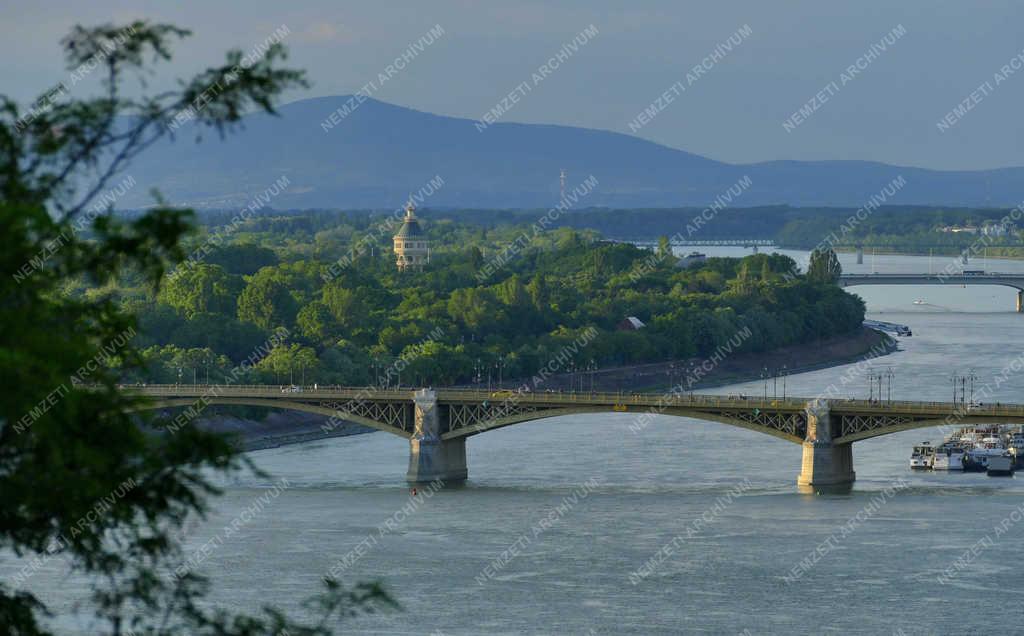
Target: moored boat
{"points": [[1001, 465], [956, 459], [922, 456]]}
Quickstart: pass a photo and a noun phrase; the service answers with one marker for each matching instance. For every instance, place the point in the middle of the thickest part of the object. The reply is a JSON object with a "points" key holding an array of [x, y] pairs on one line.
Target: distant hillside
{"points": [[380, 153]]}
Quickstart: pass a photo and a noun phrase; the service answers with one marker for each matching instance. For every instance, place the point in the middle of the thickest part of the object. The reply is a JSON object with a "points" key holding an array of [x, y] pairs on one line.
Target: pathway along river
{"points": [[881, 554]]}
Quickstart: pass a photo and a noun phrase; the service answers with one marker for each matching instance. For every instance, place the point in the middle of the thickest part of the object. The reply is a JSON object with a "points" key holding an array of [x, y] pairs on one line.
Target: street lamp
{"points": [[785, 371], [500, 365], [764, 378]]}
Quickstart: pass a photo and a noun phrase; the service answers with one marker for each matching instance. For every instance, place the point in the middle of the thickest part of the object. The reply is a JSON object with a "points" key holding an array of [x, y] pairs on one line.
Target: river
{"points": [[712, 510]]}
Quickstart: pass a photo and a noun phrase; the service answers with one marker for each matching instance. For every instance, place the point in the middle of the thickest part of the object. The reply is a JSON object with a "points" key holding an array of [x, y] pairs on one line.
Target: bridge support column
{"points": [[826, 465], [430, 457], [860, 255], [1020, 301]]}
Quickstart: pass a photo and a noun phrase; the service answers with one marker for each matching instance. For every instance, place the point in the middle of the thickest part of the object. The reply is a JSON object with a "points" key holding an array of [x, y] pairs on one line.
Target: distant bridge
{"points": [[1015, 281], [437, 423], [754, 243]]}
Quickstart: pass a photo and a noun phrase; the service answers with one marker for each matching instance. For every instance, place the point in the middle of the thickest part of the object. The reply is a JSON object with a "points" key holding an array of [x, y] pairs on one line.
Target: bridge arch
{"points": [[794, 434], [288, 405], [926, 423]]}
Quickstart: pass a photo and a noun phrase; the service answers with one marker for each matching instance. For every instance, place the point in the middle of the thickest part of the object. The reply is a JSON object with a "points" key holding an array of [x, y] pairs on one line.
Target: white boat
{"points": [[956, 459], [922, 456], [1001, 465], [941, 461], [920, 302], [978, 458]]}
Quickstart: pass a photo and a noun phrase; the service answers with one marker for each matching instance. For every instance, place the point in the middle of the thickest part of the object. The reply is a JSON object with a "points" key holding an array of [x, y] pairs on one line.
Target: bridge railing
{"points": [[604, 398], [264, 390], [569, 397], [930, 407]]}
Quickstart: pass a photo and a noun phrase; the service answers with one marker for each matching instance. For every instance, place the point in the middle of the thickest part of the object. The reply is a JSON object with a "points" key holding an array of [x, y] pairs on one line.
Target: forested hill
{"points": [[481, 302], [338, 152]]}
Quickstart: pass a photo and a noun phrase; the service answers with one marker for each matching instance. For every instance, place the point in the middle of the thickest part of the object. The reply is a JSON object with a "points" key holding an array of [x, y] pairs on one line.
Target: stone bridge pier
{"points": [[430, 457], [826, 465]]}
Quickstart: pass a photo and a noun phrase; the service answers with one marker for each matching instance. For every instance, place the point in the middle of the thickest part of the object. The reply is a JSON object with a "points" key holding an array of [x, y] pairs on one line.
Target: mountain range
{"points": [[338, 152]]}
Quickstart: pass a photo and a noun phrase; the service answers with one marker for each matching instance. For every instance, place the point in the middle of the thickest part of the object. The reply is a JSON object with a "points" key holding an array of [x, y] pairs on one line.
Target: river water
{"points": [[723, 500]]}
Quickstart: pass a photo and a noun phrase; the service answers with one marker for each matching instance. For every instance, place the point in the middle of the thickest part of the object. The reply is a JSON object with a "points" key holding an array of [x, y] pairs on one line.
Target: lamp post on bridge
{"points": [[764, 379], [785, 372], [874, 378], [478, 367], [961, 381], [500, 365]]}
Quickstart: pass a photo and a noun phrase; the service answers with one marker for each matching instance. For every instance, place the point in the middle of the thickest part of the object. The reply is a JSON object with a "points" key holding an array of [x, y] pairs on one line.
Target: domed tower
{"points": [[412, 249]]}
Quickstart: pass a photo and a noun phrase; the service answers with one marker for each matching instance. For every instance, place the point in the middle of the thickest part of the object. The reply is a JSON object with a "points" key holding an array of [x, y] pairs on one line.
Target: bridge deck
{"points": [[467, 396], [957, 278], [837, 406]]}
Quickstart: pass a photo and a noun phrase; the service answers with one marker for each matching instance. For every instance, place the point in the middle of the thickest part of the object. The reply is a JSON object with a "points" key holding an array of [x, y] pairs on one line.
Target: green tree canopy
{"points": [[824, 266], [202, 288], [59, 463], [267, 302]]}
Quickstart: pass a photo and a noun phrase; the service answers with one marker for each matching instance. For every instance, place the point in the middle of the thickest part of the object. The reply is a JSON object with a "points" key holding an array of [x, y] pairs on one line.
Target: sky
{"points": [[914, 64]]}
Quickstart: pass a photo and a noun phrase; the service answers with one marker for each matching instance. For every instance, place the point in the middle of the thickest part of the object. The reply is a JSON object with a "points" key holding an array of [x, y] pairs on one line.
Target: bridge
{"points": [[1015, 281], [437, 423], [726, 242], [963, 250], [747, 243]]}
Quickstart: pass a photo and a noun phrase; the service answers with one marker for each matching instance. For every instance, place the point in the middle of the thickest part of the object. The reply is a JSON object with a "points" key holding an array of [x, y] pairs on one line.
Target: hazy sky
{"points": [[888, 110]]}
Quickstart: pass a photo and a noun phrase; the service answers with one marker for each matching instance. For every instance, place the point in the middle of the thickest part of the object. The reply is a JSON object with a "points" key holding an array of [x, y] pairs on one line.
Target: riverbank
{"points": [[697, 373], [287, 427], [278, 428], [281, 428]]}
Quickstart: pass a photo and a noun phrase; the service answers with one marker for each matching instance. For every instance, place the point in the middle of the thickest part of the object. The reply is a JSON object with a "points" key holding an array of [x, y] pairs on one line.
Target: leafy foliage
{"points": [[448, 324], [78, 475], [824, 266]]}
